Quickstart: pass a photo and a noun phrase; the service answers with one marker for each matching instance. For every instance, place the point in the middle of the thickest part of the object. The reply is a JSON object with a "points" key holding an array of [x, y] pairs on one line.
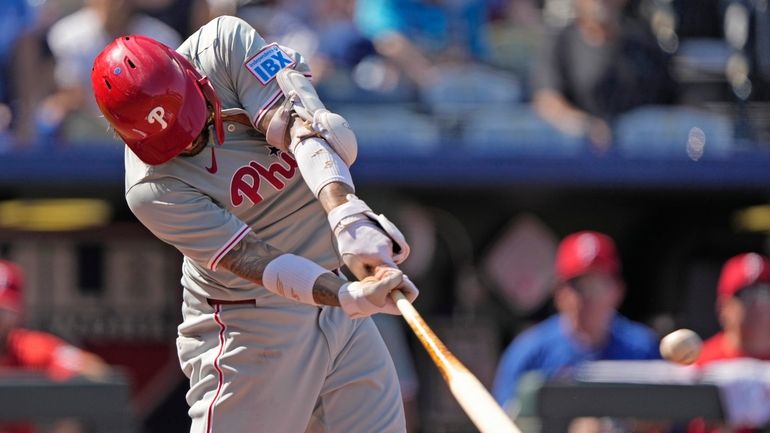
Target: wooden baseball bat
{"points": [[475, 400]]}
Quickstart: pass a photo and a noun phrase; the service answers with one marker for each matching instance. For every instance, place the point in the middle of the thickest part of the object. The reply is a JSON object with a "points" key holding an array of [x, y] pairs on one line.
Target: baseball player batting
{"points": [[233, 159]]}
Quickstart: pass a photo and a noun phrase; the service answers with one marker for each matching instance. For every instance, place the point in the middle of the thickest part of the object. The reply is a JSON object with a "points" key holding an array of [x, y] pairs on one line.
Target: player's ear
{"points": [[620, 291], [725, 311], [563, 295]]}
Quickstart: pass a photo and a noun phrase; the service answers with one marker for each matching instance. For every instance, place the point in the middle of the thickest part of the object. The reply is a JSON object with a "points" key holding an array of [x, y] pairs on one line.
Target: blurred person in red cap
{"points": [[589, 288], [35, 351], [743, 309]]}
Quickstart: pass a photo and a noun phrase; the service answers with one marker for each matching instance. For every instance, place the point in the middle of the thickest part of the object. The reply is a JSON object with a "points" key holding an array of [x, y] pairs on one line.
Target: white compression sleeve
{"points": [[292, 277], [319, 164]]}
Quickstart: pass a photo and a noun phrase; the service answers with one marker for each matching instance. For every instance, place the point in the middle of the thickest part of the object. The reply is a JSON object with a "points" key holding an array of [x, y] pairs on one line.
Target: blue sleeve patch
{"points": [[268, 61]]}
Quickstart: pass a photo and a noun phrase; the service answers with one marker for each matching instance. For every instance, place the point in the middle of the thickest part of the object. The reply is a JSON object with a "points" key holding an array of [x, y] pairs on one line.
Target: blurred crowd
{"points": [[559, 73]]}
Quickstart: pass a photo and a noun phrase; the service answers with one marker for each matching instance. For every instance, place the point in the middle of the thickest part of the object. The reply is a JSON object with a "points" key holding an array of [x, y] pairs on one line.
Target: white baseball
{"points": [[682, 346]]}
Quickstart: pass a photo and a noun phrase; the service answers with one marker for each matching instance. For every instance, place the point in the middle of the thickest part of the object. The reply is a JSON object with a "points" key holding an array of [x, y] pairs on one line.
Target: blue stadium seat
{"points": [[671, 131], [517, 128], [467, 87], [392, 125], [339, 88]]}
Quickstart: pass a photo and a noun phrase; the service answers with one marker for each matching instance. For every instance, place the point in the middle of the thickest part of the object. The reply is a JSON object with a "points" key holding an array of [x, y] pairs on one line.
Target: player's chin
{"points": [[199, 144], [195, 150]]}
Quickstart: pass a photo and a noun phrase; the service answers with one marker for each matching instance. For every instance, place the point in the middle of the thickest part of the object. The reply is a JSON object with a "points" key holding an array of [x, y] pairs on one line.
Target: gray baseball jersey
{"points": [[205, 204], [271, 365]]}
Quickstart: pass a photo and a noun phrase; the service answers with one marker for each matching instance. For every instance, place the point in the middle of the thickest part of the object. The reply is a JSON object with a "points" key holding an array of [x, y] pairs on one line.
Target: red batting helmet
{"points": [[153, 97], [11, 282], [584, 252]]}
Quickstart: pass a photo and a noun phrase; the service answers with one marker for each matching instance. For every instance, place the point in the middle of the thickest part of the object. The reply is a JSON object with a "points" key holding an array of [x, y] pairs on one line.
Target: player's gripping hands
{"points": [[371, 295], [304, 281], [366, 240]]}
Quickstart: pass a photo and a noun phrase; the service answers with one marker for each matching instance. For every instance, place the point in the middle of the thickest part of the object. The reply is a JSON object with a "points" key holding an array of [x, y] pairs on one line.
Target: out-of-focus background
{"points": [[487, 129]]}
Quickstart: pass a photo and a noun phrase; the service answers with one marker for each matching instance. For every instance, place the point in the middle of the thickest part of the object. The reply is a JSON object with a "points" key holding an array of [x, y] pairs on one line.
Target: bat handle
{"points": [[398, 295], [436, 349], [404, 306]]}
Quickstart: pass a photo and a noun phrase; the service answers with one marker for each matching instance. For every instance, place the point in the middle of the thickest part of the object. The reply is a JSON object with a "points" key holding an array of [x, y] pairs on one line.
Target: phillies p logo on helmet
{"points": [[156, 115]]}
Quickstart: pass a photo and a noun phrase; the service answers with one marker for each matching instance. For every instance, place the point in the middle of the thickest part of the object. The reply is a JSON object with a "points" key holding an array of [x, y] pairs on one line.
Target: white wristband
{"points": [[292, 277], [351, 298], [320, 165]]}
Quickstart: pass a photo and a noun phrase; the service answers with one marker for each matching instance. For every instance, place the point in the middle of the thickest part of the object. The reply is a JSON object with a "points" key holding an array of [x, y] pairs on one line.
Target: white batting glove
{"points": [[364, 239], [372, 294], [363, 245]]}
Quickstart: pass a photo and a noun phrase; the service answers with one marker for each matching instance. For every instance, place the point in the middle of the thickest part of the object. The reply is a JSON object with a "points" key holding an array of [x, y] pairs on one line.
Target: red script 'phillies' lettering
{"points": [[246, 180]]}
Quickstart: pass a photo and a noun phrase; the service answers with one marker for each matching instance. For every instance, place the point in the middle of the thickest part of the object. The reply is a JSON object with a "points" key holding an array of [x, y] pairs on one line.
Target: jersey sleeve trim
{"points": [[270, 102], [214, 262], [264, 109]]}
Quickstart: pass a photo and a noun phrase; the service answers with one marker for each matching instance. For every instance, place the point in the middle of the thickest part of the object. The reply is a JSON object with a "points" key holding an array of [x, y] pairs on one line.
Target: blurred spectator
{"points": [[743, 309], [596, 68], [34, 350], [515, 29], [587, 327], [523, 13], [223, 7], [184, 16], [75, 40], [341, 46], [733, 357], [19, 52], [277, 22], [28, 350], [418, 36]]}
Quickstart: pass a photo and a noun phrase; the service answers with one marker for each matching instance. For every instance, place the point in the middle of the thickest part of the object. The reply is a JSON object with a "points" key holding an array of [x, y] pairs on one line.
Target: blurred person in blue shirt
{"points": [[19, 51], [416, 34], [587, 327], [341, 45]]}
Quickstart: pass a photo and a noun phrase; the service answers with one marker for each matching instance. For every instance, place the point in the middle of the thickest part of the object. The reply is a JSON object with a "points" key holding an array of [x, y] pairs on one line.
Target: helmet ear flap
{"points": [[208, 92]]}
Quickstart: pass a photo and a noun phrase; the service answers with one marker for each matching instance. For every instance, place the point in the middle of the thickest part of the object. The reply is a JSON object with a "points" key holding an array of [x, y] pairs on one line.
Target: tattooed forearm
{"points": [[325, 289], [249, 257], [333, 195]]}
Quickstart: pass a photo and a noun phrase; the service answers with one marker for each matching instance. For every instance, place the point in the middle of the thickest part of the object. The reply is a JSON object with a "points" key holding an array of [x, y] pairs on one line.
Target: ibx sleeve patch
{"points": [[268, 61]]}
